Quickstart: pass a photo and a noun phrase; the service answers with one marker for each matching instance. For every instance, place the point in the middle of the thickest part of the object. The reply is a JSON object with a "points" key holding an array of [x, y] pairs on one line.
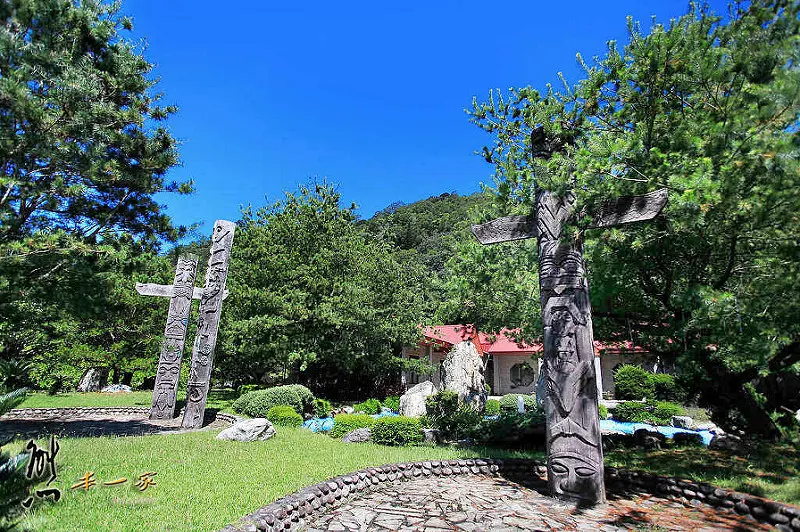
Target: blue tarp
{"points": [[629, 427], [326, 423]]}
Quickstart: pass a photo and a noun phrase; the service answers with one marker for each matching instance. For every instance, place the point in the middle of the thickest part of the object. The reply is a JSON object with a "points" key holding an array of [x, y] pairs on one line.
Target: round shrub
{"points": [[664, 410], [370, 406], [447, 414], [508, 403], [284, 416], [512, 430], [322, 407], [634, 383], [344, 423], [305, 395], [631, 411], [665, 386], [603, 411], [258, 403], [392, 403], [492, 407], [397, 430]]}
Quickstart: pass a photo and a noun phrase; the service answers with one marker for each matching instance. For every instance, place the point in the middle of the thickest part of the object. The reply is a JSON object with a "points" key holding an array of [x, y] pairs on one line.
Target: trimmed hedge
{"points": [[284, 416], [370, 406], [508, 403], [344, 423], [447, 414], [512, 430], [397, 430], [258, 403], [634, 383], [492, 407], [656, 413]]}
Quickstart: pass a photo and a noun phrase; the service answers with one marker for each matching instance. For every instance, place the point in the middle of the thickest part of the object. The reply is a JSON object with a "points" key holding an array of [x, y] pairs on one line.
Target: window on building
{"points": [[522, 375]]}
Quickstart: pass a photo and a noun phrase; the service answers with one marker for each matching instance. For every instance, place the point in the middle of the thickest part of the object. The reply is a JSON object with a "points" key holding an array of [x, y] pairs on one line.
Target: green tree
{"points": [[706, 106], [314, 298], [83, 150]]}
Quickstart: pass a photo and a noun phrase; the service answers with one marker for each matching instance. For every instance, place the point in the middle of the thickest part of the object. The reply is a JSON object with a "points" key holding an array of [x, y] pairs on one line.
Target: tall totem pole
{"points": [[574, 444]]}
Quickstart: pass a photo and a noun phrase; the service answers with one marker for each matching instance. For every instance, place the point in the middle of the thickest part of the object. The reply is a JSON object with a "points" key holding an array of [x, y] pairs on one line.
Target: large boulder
{"points": [[682, 422], [412, 403], [358, 435], [462, 373], [93, 380], [254, 429], [117, 388]]}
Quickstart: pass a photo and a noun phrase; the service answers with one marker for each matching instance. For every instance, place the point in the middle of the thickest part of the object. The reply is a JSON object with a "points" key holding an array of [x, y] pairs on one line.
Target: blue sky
{"points": [[370, 95]]}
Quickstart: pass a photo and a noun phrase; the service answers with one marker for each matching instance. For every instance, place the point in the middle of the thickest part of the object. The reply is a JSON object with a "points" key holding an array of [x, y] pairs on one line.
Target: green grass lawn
{"points": [[220, 399], [202, 483]]}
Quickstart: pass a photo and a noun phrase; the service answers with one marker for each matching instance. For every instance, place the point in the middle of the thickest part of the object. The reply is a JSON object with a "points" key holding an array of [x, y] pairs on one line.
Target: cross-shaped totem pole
{"points": [[181, 293], [574, 445]]}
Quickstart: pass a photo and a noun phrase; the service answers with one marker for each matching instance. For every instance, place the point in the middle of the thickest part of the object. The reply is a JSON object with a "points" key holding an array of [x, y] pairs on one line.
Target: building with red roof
{"points": [[513, 366]]}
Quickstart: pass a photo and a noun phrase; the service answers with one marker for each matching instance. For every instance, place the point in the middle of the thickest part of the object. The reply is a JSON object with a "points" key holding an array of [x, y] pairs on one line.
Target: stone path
{"points": [[483, 503]]}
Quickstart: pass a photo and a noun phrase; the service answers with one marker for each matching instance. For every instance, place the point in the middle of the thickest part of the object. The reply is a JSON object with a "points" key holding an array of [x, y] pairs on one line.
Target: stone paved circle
{"points": [[482, 502]]}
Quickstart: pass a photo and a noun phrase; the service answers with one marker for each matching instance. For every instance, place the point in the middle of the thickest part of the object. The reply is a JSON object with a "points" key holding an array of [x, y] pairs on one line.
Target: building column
{"points": [[496, 376], [598, 377]]}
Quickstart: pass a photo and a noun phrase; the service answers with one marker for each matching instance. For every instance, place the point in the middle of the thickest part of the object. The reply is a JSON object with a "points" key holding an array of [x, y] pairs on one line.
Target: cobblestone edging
{"points": [[83, 411], [291, 511]]}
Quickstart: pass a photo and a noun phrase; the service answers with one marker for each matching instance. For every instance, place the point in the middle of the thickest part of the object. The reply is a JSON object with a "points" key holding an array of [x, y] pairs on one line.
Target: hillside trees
{"points": [[83, 150], [315, 299], [708, 107]]}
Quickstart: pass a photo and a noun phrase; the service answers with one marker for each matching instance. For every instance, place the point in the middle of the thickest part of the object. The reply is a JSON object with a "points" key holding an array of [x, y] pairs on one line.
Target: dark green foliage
{"points": [[633, 382], [492, 407], [245, 388], [322, 407], [705, 106], [258, 403], [602, 411], [284, 416], [659, 413], [512, 430], [508, 403], [397, 430], [452, 418], [344, 423], [666, 387], [331, 309], [392, 403], [370, 406], [14, 486]]}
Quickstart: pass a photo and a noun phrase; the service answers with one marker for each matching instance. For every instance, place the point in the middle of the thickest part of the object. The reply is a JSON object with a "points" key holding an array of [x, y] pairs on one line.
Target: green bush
{"points": [[633, 383], [322, 407], [397, 430], [631, 411], [344, 423], [245, 388], [656, 413], [492, 407], [284, 416], [370, 406], [666, 388], [512, 430], [603, 411], [258, 403], [447, 414], [508, 403], [392, 403], [306, 397], [664, 410]]}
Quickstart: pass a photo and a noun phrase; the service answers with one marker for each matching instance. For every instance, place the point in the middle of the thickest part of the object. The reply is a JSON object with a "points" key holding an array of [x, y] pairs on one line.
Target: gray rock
{"points": [[93, 380], [682, 422], [432, 436], [462, 372], [358, 436], [412, 403], [116, 388], [348, 409], [249, 430], [709, 426], [727, 442]]}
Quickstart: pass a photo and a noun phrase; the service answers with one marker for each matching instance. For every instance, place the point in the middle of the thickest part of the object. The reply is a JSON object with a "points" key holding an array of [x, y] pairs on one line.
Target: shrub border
{"points": [[80, 411], [290, 511]]}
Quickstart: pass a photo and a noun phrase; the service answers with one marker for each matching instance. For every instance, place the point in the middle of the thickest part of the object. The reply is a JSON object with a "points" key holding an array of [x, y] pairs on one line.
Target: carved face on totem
{"points": [[171, 351], [184, 274], [167, 374], [573, 474]]}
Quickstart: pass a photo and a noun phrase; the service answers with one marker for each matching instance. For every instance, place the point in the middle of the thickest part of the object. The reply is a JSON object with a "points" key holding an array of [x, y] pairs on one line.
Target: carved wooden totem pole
{"points": [[208, 324], [169, 361], [574, 445]]}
